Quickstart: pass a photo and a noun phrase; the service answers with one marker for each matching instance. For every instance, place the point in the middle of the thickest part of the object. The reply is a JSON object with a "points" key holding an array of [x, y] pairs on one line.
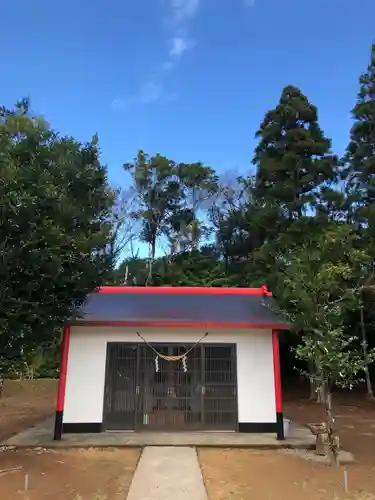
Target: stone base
{"points": [[345, 457], [42, 436]]}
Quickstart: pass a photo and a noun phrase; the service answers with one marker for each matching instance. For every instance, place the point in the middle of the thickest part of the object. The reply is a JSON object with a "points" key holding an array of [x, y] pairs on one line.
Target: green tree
{"points": [[294, 162], [158, 196], [232, 218], [360, 156], [54, 232], [359, 172], [318, 285], [170, 199], [133, 271], [294, 166], [293, 157], [199, 184], [193, 268]]}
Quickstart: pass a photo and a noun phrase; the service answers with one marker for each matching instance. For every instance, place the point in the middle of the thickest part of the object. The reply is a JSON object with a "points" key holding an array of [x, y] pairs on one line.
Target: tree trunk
{"points": [[151, 259], [370, 392], [331, 438], [312, 382], [321, 394], [320, 386], [312, 389]]}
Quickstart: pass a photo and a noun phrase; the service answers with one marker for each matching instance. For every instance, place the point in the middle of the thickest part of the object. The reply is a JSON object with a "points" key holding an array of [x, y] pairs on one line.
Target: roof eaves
{"points": [[181, 324], [188, 290]]}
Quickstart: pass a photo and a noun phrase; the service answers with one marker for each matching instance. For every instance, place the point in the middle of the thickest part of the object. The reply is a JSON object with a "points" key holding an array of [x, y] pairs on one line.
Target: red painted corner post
{"points": [[277, 378], [62, 384]]}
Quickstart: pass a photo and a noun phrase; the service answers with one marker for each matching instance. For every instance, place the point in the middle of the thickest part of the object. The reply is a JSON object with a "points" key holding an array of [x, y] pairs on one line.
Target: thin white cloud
{"points": [[167, 66], [179, 45], [180, 14], [120, 104], [151, 92], [183, 10]]}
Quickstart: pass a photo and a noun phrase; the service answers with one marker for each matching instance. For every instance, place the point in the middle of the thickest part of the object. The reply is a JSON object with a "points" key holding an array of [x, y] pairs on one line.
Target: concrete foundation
{"points": [[42, 436]]}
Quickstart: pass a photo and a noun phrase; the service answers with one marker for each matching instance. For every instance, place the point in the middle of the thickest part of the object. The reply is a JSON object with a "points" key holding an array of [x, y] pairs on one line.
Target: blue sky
{"points": [[191, 79]]}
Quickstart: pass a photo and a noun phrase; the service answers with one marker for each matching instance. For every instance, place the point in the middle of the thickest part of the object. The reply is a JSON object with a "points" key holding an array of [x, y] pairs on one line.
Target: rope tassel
{"points": [[184, 364]]}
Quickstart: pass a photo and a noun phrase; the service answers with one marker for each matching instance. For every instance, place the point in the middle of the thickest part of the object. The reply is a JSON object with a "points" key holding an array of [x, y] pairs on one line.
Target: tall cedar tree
{"points": [[360, 175], [293, 159], [360, 157]]}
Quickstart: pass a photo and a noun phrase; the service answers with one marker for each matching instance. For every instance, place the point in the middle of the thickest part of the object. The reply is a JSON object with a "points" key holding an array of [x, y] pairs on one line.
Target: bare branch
{"points": [[123, 222]]}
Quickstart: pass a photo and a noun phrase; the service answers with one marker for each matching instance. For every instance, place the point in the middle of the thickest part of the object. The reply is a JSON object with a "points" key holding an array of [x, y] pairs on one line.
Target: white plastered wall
{"points": [[87, 364]]}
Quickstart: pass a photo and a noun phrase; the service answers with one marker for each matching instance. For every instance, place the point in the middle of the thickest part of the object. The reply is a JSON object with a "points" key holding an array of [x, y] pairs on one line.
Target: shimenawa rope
{"points": [[172, 358]]}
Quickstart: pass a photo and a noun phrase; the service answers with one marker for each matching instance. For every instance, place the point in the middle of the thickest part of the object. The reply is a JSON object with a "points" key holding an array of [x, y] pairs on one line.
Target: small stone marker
{"points": [[320, 431]]}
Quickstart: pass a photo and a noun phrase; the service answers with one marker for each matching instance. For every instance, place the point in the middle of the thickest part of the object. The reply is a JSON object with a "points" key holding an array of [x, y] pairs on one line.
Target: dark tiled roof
{"points": [[181, 308]]}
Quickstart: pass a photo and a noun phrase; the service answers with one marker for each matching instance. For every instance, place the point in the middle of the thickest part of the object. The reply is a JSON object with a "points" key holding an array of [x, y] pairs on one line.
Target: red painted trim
{"points": [[181, 290], [277, 371], [180, 324], [63, 369]]}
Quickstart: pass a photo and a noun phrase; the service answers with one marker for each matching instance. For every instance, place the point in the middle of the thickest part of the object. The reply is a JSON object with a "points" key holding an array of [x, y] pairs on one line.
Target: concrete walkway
{"points": [[168, 473]]}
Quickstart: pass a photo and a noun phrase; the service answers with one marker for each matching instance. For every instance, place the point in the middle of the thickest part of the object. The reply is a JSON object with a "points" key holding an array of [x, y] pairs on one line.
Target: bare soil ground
{"points": [[25, 403], [67, 475], [250, 475], [229, 474], [355, 421]]}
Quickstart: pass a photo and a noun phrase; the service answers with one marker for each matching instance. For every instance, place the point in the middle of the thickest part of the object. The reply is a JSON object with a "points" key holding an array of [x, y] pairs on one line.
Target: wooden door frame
{"points": [[137, 389], [233, 346], [108, 389]]}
